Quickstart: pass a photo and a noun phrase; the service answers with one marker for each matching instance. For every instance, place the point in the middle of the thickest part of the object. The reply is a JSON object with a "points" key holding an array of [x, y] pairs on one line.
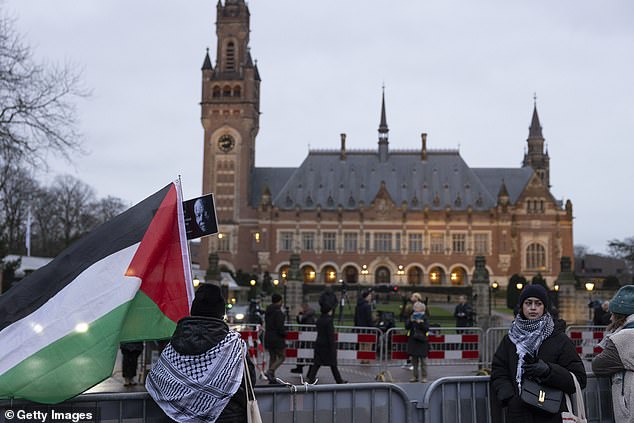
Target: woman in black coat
{"points": [[536, 348], [417, 344], [325, 347]]}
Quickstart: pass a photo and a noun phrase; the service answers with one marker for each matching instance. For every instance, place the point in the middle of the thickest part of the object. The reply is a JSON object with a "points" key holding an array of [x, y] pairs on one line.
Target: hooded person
{"points": [[536, 348], [275, 336], [199, 376], [616, 360], [325, 347]]}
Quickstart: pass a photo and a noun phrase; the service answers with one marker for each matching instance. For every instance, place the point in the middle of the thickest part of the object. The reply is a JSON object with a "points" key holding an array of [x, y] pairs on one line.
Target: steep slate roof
{"points": [[443, 180]]}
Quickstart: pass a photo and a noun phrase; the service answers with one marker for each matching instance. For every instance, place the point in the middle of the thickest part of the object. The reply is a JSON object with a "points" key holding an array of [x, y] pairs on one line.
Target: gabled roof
{"points": [[443, 180]]}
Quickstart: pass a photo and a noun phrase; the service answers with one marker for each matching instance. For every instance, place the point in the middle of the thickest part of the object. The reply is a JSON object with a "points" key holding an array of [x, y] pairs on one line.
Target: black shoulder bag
{"points": [[540, 396]]}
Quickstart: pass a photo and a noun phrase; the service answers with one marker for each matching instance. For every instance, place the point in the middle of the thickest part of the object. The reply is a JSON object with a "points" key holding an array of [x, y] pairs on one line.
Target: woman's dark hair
{"points": [[619, 320]]}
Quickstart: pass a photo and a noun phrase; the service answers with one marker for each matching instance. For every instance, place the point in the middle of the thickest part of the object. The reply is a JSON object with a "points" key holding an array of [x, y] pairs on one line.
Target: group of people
{"points": [[537, 349], [204, 352]]}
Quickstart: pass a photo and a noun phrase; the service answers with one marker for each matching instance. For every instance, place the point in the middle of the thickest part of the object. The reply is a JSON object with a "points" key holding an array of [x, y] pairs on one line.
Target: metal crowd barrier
{"points": [[368, 403], [492, 339], [468, 400], [586, 339], [447, 346], [355, 345]]}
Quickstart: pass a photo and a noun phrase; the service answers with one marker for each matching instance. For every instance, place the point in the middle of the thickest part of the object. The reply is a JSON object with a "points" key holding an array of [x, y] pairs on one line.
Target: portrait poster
{"points": [[200, 216]]}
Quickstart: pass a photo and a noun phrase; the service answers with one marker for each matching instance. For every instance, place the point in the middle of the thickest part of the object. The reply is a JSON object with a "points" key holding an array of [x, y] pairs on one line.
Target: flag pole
{"points": [[28, 232]]}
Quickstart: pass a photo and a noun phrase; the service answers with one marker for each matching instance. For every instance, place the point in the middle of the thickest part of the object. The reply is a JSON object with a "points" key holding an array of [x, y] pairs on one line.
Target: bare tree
{"points": [[107, 208], [37, 110], [15, 198], [72, 207]]}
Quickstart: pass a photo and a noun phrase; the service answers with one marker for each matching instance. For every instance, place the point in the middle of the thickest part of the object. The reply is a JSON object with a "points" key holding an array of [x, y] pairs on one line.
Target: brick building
{"points": [[367, 216]]}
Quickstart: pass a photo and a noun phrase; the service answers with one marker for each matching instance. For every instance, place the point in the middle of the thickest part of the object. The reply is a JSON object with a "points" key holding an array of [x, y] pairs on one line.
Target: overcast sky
{"points": [[462, 71]]}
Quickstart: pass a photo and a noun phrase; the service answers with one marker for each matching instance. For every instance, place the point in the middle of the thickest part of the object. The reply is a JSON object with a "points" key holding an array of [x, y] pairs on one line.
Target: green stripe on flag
{"points": [[68, 366], [145, 320]]}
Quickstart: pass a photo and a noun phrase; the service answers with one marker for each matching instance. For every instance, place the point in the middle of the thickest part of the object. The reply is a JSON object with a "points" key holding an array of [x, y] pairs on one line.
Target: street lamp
{"points": [[494, 289], [196, 282], [519, 286], [589, 288], [364, 272], [252, 283]]}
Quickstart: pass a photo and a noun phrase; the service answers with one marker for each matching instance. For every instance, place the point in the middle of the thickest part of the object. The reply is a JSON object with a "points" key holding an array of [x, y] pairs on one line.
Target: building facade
{"points": [[372, 216]]}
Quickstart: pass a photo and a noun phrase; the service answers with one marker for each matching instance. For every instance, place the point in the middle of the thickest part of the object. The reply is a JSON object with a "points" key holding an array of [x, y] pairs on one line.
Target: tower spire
{"points": [[383, 131], [535, 130], [535, 156]]}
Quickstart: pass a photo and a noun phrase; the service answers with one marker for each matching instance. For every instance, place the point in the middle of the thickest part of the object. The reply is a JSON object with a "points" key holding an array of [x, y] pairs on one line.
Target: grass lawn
{"points": [[438, 315]]}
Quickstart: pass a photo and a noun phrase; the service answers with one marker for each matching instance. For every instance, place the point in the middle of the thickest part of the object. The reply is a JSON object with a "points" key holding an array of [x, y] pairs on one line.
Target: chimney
{"points": [[424, 150], [343, 146]]}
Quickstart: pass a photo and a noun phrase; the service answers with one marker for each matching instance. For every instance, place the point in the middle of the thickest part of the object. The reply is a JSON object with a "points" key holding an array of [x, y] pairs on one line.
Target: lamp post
{"points": [[364, 272], [494, 289], [252, 283], [589, 288], [400, 272]]}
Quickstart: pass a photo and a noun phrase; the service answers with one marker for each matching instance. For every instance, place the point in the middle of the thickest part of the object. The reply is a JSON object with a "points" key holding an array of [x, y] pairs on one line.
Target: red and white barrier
{"points": [[586, 339], [443, 347]]}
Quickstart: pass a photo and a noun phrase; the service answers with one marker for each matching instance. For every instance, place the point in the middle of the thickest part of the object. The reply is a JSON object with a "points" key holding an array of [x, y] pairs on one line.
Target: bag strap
{"points": [[581, 409], [247, 375]]}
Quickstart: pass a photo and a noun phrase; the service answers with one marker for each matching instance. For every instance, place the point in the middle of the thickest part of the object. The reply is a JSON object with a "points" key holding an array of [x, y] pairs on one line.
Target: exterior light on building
{"points": [[256, 236], [284, 274], [311, 275], [589, 286], [364, 269], [276, 282], [434, 276], [220, 235], [454, 276], [252, 282], [400, 270], [495, 285], [233, 300]]}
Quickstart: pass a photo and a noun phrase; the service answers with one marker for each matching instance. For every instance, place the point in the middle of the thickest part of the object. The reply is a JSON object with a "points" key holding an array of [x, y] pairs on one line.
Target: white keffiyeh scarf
{"points": [[528, 335], [197, 388]]}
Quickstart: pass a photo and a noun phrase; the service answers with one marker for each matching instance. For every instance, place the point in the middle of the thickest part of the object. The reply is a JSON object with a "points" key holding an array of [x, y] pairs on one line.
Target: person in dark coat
{"points": [[463, 313], [306, 316], [274, 336], [417, 344], [363, 311], [325, 347], [328, 298], [537, 348], [130, 352], [203, 350]]}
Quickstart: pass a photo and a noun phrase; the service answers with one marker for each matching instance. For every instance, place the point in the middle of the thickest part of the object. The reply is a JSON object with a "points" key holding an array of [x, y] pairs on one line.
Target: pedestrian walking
{"points": [[617, 358], [325, 347], [306, 316], [274, 336], [129, 364], [417, 343], [329, 298], [536, 348], [199, 376]]}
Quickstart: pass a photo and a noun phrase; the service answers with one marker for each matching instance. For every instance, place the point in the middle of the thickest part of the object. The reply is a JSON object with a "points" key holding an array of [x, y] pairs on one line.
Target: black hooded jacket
{"points": [[363, 314], [559, 353], [194, 336]]}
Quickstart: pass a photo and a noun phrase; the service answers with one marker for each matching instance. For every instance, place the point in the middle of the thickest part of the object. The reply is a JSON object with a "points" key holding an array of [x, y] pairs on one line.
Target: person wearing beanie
{"points": [[202, 351], [363, 318], [538, 349], [417, 343], [275, 336], [325, 347], [616, 360]]}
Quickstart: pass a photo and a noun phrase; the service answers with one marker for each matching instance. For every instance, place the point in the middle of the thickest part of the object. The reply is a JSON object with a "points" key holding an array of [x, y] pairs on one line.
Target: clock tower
{"points": [[230, 110]]}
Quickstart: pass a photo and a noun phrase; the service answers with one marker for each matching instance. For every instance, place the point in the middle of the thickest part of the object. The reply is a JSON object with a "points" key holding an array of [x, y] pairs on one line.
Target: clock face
{"points": [[226, 143]]}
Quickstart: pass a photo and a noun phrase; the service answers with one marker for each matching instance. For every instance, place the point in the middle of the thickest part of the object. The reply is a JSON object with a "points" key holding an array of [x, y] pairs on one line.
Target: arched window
{"points": [[436, 276], [226, 91], [309, 274], [216, 91], [329, 274], [230, 57], [382, 275], [535, 256], [237, 91], [415, 276], [458, 276], [351, 274]]}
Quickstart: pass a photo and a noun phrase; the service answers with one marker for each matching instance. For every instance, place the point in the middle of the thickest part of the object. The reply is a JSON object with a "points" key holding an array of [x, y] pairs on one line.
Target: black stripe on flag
{"points": [[125, 230]]}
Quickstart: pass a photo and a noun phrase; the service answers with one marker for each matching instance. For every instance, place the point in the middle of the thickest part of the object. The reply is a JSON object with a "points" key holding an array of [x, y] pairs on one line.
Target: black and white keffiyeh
{"points": [[528, 335], [197, 388]]}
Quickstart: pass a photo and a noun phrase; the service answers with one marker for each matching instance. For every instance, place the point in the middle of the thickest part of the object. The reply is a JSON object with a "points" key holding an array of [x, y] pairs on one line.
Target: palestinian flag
{"points": [[127, 280]]}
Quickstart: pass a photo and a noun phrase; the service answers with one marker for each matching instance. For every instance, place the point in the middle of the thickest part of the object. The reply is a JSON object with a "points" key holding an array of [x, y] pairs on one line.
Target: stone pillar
{"points": [[481, 293], [294, 287], [213, 269], [568, 309]]}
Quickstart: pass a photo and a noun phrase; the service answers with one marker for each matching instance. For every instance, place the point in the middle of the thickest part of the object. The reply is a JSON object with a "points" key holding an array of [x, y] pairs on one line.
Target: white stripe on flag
{"points": [[95, 292]]}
